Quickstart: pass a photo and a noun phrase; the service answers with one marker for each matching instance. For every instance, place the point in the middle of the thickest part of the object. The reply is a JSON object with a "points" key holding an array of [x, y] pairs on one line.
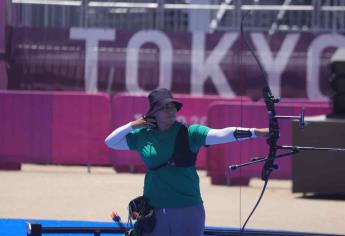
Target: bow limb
{"points": [[273, 136]]}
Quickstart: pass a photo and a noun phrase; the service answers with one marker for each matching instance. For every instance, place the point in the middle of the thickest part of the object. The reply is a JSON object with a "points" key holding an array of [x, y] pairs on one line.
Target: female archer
{"points": [[169, 149]]}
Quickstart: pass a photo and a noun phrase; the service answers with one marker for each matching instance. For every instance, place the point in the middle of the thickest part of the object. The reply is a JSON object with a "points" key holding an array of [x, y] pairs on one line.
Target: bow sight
{"points": [[272, 139]]}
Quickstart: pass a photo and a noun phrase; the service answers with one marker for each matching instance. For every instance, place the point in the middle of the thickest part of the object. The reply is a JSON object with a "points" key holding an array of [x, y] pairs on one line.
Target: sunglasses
{"points": [[168, 107]]}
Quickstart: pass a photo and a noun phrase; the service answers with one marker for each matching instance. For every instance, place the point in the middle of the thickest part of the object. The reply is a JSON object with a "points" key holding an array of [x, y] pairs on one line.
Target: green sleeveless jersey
{"points": [[168, 186]]}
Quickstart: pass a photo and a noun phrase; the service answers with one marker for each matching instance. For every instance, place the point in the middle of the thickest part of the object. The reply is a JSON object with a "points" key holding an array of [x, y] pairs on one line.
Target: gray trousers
{"points": [[189, 221]]}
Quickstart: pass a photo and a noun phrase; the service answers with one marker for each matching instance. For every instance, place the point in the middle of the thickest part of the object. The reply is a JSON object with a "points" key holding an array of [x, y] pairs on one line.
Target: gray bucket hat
{"points": [[158, 98]]}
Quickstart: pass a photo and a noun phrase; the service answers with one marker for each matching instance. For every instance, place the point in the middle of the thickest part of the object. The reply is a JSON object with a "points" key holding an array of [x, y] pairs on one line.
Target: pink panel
{"points": [[250, 114], [125, 108], [80, 124], [25, 127]]}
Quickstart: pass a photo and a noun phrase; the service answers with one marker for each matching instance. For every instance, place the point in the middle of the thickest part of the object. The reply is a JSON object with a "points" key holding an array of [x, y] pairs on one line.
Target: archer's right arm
{"points": [[117, 138]]}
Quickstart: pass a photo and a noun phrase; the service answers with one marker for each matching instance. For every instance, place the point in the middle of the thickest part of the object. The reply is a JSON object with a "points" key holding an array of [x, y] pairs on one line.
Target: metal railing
{"points": [[35, 229], [177, 15]]}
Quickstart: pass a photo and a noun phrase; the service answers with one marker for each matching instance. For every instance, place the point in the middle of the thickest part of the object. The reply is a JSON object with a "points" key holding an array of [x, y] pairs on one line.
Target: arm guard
{"points": [[241, 133]]}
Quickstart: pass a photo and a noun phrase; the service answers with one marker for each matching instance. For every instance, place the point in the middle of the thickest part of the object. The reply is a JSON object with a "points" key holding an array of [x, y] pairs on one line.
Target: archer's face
{"points": [[166, 116]]}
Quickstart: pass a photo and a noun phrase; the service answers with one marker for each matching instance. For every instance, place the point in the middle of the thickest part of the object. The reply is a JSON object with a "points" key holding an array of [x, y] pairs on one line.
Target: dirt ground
{"points": [[71, 193]]}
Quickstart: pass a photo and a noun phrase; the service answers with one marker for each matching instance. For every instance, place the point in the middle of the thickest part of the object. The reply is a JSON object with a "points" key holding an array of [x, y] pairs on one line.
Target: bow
{"points": [[274, 132], [273, 125]]}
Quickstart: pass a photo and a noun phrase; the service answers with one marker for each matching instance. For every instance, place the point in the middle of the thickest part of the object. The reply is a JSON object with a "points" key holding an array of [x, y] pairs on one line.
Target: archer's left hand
{"points": [[261, 132]]}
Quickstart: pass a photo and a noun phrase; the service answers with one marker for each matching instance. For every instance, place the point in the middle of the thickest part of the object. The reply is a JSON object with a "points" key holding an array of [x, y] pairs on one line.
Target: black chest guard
{"points": [[182, 155]]}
